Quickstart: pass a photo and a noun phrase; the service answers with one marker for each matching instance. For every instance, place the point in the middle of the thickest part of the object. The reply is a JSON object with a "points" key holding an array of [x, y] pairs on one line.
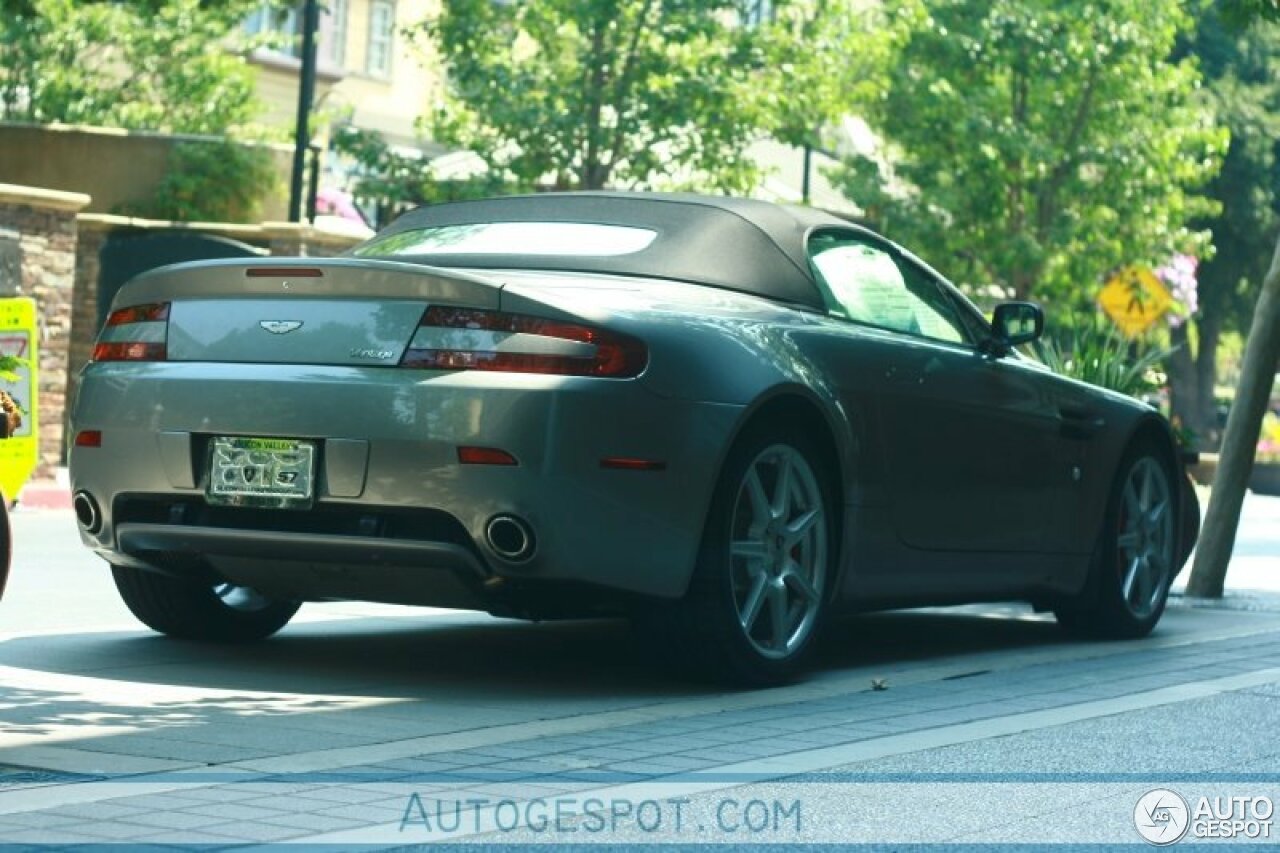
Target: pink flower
{"points": [[1180, 277]]}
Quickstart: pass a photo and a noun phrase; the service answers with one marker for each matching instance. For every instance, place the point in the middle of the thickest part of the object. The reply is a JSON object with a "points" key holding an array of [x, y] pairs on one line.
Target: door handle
{"points": [[1079, 423]]}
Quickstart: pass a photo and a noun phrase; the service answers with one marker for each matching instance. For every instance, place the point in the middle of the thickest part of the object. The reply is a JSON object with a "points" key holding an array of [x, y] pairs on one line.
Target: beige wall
{"points": [[277, 88], [388, 105], [112, 166]]}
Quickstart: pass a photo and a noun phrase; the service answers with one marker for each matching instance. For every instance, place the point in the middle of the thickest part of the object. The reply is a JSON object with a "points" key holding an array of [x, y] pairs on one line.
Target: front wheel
{"points": [[194, 611], [1136, 556], [759, 591]]}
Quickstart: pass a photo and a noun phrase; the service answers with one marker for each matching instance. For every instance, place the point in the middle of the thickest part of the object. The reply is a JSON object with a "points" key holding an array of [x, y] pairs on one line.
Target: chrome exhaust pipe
{"points": [[510, 537], [87, 512]]}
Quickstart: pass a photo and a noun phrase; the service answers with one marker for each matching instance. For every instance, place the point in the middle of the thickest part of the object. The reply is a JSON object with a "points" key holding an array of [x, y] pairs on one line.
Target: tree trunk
{"points": [[594, 174], [1183, 379], [1205, 420], [1239, 442]]}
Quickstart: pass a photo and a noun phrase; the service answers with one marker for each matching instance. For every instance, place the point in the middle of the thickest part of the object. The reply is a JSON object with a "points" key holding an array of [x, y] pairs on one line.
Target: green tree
{"points": [[169, 66], [635, 93], [1257, 376], [1242, 81], [1040, 144], [393, 182]]}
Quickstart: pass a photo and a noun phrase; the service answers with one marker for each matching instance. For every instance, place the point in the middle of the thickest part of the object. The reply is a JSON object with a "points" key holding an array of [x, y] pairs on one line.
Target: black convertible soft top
{"points": [[740, 244]]}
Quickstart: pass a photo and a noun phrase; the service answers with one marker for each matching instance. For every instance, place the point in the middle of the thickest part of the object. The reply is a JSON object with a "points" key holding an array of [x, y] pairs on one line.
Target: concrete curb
{"points": [[46, 493]]}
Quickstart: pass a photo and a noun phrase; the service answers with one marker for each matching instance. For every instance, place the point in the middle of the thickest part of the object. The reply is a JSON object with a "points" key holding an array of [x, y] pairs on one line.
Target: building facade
{"points": [[370, 72]]}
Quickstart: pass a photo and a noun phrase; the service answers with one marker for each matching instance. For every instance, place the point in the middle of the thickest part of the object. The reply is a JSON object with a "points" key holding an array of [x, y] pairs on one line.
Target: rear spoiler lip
{"points": [[338, 278], [328, 263]]}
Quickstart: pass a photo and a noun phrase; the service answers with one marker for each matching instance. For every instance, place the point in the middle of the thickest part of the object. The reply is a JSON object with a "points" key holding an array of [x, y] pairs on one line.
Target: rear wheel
{"points": [[1136, 556], [6, 543], [195, 611], [759, 591]]}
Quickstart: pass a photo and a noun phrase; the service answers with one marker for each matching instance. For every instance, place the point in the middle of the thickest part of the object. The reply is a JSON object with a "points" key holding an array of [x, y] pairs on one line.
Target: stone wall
{"points": [[84, 304], [44, 222]]}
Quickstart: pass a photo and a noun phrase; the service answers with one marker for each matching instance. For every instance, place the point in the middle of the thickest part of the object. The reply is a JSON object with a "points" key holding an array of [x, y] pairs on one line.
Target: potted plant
{"points": [[1265, 479]]}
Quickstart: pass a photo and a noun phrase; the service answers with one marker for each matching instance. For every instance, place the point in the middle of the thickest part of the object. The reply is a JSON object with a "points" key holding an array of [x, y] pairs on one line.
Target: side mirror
{"points": [[1014, 324]]}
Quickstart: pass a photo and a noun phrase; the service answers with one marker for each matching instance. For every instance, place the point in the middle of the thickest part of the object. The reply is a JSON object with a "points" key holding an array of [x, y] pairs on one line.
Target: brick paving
{"points": [[262, 807]]}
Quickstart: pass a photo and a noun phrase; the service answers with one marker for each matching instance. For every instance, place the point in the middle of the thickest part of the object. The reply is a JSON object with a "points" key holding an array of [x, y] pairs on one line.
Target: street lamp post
{"points": [[306, 95]]}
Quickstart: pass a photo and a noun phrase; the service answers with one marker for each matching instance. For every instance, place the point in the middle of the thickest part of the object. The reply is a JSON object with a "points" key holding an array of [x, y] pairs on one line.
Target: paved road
{"points": [[395, 726]]}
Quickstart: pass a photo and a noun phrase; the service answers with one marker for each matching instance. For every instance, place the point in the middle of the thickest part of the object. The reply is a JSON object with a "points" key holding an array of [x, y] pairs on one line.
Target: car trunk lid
{"points": [[300, 311]]}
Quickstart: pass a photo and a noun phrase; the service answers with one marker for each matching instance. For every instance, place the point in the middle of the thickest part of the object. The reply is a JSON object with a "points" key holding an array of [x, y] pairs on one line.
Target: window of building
{"points": [[757, 12], [282, 23], [333, 33], [382, 27]]}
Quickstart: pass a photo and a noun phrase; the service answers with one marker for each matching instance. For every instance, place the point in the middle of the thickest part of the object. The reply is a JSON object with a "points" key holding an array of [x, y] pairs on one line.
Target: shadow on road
{"points": [[358, 681], [489, 658]]}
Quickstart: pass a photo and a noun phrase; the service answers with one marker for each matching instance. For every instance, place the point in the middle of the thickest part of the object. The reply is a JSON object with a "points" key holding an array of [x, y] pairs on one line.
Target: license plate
{"points": [[277, 473]]}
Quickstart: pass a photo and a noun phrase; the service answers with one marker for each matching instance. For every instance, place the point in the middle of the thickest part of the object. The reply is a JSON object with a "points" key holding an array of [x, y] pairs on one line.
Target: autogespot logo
{"points": [[1162, 817]]}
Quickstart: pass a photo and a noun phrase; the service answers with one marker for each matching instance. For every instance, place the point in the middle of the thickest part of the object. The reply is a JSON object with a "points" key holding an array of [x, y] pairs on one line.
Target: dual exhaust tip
{"points": [[510, 536], [87, 511]]}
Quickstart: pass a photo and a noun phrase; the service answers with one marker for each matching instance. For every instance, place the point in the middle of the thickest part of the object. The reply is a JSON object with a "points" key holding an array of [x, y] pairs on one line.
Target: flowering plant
{"points": [[1180, 277]]}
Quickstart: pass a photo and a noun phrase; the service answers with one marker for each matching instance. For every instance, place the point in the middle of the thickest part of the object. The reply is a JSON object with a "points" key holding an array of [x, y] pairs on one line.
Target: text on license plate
{"points": [[275, 472]]}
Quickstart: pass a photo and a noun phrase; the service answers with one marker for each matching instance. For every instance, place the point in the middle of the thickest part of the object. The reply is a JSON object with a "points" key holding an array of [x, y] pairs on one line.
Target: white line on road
{"points": [[815, 760]]}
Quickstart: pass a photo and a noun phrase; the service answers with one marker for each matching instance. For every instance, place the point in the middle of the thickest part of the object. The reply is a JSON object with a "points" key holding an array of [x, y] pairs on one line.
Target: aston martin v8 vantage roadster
{"points": [[724, 418]]}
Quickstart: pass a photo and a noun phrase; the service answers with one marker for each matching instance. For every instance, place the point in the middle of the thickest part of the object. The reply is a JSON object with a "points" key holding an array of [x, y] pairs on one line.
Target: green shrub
{"points": [[220, 181], [1095, 351]]}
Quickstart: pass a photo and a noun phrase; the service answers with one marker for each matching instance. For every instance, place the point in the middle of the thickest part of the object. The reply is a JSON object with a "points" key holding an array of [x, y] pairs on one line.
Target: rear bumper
{"points": [[396, 516]]}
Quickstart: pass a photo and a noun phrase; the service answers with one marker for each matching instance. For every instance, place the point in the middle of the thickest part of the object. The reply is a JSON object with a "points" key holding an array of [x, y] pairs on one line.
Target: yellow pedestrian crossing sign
{"points": [[1134, 298], [19, 453]]}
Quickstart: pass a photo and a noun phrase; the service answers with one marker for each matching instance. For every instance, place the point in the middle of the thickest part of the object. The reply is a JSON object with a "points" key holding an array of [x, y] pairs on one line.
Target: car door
{"points": [[969, 443]]}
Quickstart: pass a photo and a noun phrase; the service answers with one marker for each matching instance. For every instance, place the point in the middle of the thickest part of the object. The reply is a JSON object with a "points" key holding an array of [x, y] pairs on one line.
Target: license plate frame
{"points": [[268, 473]]}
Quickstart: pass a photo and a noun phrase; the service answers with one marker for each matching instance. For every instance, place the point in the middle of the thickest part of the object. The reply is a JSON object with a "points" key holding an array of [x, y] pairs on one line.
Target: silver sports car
{"points": [[724, 418]]}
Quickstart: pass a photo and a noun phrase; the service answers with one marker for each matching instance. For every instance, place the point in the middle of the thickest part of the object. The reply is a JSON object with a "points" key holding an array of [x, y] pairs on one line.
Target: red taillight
{"points": [[139, 314], [136, 333], [628, 463], [117, 351], [89, 438], [466, 339], [485, 456], [291, 272]]}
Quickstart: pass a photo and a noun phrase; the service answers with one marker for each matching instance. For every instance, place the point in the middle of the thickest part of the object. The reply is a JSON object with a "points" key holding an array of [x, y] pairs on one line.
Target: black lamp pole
{"points": [[804, 179], [306, 95]]}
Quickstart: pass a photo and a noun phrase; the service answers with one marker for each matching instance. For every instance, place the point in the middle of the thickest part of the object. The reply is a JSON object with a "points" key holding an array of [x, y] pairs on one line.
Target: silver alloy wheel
{"points": [[1144, 539], [778, 551], [246, 599]]}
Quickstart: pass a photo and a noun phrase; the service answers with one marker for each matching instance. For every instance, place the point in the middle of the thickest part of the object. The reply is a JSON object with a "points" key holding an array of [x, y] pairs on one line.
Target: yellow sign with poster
{"points": [[1134, 298], [20, 452]]}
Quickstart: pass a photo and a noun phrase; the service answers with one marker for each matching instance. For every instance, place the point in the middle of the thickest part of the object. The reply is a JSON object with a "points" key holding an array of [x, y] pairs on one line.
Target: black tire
{"points": [[1112, 605], [194, 611], [6, 544], [703, 631]]}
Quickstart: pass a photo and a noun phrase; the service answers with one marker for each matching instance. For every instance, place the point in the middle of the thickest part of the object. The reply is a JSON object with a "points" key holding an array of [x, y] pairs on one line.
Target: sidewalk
{"points": [[50, 493]]}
